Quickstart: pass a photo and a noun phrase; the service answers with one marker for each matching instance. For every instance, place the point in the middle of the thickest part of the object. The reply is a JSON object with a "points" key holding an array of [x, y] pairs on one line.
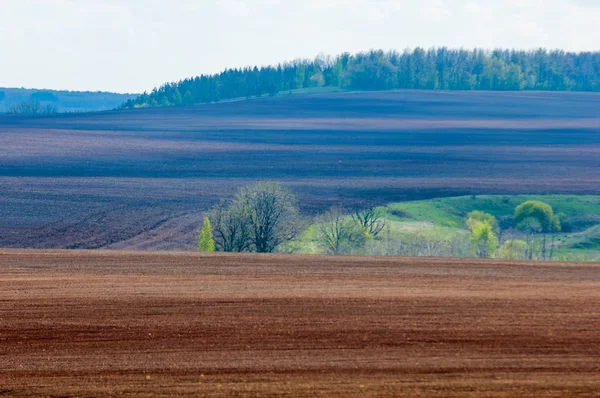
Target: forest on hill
{"points": [[433, 69]]}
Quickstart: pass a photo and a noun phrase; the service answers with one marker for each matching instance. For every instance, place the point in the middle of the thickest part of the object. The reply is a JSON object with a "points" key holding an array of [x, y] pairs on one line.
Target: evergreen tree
{"points": [[164, 101], [177, 98], [188, 99]]}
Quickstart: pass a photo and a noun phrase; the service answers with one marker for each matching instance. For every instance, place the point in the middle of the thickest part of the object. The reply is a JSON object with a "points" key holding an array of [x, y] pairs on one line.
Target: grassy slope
{"points": [[444, 218]]}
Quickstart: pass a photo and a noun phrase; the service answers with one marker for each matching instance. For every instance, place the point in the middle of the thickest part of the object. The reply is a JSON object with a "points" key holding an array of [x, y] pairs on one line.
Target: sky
{"points": [[135, 45]]}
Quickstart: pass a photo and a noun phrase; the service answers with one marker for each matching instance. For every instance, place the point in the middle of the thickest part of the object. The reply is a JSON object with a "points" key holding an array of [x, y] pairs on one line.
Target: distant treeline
{"points": [[434, 69], [37, 102]]}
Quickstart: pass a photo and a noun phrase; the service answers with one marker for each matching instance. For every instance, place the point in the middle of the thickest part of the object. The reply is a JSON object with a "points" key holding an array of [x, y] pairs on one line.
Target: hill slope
{"points": [[142, 178]]}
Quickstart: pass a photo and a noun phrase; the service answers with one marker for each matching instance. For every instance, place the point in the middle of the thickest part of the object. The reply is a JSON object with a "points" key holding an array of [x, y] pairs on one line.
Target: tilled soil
{"points": [[142, 179], [76, 323]]}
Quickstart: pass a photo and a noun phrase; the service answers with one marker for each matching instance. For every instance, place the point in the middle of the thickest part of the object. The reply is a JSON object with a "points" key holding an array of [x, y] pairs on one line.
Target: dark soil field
{"points": [[142, 178], [102, 323]]}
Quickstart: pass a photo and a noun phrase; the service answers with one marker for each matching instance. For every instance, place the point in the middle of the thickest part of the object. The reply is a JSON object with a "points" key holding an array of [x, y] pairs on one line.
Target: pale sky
{"points": [[135, 45]]}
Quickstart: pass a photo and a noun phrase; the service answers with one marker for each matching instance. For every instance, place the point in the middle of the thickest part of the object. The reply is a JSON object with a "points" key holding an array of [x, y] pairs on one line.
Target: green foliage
{"points": [[188, 98], [513, 249], [478, 217], [530, 225], [205, 239], [533, 211], [483, 240], [436, 227], [177, 98], [432, 69]]}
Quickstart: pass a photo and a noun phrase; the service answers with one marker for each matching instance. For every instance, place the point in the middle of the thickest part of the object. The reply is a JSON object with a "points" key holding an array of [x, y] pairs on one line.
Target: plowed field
{"points": [[142, 179], [146, 324]]}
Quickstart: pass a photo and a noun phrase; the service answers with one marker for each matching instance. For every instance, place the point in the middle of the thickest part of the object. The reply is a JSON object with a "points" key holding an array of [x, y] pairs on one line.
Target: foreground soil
{"points": [[145, 324]]}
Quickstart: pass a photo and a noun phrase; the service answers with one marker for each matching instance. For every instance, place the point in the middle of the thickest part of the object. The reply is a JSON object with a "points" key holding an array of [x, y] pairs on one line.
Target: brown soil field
{"points": [[142, 179], [76, 323]]}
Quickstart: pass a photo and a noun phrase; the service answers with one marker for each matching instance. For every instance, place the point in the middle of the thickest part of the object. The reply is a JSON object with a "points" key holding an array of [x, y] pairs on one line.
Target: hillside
{"points": [[142, 178], [64, 101]]}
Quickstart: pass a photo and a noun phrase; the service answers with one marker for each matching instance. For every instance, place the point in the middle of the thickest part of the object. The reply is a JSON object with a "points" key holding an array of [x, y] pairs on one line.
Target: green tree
{"points": [[477, 217], [483, 240], [534, 216], [188, 99], [205, 239], [177, 98], [432, 69], [539, 211]]}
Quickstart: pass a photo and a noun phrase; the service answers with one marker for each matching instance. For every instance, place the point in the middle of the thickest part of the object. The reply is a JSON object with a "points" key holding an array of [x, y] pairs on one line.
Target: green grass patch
{"points": [[451, 212]]}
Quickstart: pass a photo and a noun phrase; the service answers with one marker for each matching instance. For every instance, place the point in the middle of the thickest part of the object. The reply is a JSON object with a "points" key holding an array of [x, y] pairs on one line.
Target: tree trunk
{"points": [[544, 247]]}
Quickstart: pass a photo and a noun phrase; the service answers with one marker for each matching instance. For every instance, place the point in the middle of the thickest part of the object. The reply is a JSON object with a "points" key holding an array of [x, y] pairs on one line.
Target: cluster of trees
{"points": [[340, 234], [19, 100], [443, 69], [32, 108], [366, 232], [264, 218], [535, 222], [259, 219]]}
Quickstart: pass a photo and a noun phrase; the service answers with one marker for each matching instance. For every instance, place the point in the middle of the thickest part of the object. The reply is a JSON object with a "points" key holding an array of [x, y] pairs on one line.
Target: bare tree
{"points": [[32, 108], [336, 230], [230, 226], [271, 213], [370, 220]]}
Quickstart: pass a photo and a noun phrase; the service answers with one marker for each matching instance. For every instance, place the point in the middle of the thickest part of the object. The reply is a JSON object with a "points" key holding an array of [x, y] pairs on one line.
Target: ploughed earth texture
{"points": [[141, 179], [109, 323]]}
